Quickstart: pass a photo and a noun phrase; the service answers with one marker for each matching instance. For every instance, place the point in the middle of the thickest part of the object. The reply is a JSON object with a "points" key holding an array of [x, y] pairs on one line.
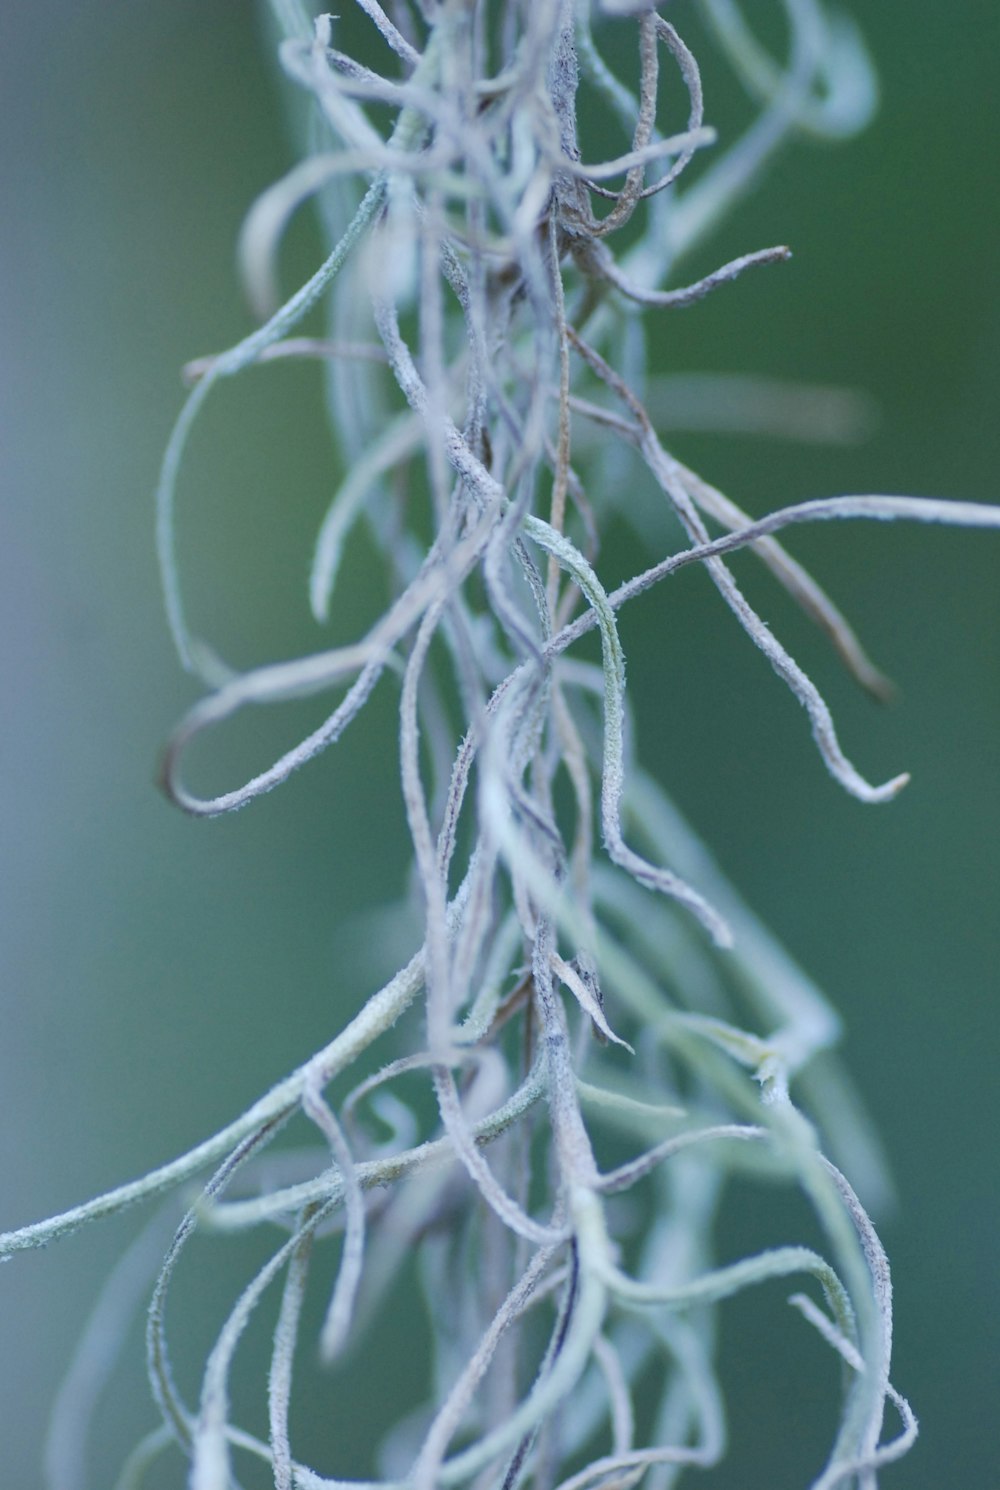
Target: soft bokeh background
{"points": [[157, 973]]}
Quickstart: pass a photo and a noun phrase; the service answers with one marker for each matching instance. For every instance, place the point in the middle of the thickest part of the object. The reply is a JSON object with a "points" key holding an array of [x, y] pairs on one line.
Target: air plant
{"points": [[589, 982]]}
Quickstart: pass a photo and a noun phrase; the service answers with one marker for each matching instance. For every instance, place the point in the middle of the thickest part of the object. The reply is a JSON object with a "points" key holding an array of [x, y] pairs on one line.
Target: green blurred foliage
{"points": [[157, 973]]}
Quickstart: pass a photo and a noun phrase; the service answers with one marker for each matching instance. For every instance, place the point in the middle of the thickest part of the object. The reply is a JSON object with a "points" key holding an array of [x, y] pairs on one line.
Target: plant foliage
{"points": [[589, 983]]}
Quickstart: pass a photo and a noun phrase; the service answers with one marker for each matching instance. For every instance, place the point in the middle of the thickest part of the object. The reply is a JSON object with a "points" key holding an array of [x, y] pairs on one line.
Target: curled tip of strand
{"points": [[877, 685], [712, 920], [884, 793], [722, 935]]}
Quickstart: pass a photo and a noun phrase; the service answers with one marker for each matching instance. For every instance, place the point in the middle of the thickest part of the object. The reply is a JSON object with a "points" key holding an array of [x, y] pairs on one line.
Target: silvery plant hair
{"points": [[601, 1035]]}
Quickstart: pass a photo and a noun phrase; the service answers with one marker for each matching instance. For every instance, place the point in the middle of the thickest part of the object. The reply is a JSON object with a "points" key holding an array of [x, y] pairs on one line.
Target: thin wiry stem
{"points": [[279, 1386], [337, 1323], [602, 265], [469, 261]]}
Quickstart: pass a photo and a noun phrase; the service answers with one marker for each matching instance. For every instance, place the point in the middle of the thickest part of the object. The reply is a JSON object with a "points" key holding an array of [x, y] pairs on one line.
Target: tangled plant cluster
{"points": [[486, 384]]}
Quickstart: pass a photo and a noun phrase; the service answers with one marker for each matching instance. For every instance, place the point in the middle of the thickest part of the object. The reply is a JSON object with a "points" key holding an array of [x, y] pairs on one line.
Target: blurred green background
{"points": [[158, 973]]}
